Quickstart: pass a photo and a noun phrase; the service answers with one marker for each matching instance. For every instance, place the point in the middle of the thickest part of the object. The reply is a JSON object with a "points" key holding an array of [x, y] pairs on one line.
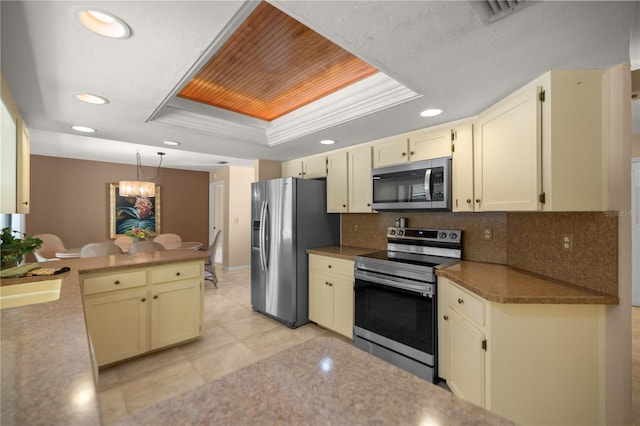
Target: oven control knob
{"points": [[400, 232], [392, 232], [443, 235], [453, 236]]}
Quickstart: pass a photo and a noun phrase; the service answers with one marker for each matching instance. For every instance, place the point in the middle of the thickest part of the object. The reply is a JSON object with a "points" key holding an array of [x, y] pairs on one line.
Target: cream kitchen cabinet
{"points": [[331, 283], [133, 311], [359, 181], [349, 181], [422, 144], [531, 363], [14, 158], [307, 168], [462, 169], [541, 148], [337, 178]]}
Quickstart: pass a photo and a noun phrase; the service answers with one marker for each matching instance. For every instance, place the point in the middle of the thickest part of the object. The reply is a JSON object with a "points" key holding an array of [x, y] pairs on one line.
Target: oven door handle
{"points": [[394, 282]]}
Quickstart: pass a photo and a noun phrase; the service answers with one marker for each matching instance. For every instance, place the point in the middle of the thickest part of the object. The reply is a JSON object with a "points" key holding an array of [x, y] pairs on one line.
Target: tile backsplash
{"points": [[528, 241]]}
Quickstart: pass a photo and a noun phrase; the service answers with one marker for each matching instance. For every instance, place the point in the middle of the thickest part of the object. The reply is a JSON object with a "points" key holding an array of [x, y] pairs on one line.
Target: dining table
{"points": [[70, 253]]}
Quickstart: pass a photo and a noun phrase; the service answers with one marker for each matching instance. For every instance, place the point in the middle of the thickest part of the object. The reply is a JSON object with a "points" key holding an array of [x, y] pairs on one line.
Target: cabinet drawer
{"points": [[466, 304], [178, 271], [117, 281], [331, 265]]}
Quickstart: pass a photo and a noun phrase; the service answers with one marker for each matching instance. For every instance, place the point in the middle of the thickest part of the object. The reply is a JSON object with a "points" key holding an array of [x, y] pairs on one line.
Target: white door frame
{"points": [[216, 187]]}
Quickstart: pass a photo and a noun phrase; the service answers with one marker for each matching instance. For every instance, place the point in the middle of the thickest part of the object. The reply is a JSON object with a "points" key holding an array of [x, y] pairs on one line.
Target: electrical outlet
{"points": [[487, 234], [567, 242]]}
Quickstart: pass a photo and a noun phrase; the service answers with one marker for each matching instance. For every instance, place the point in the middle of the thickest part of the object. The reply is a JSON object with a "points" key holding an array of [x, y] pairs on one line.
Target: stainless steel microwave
{"points": [[422, 185]]}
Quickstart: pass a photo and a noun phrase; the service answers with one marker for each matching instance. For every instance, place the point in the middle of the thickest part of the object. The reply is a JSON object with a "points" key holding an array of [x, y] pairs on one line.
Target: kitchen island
{"points": [[322, 381], [47, 369]]}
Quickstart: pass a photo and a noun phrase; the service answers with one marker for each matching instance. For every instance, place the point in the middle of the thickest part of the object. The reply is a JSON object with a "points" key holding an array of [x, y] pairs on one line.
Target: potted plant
{"points": [[15, 245]]}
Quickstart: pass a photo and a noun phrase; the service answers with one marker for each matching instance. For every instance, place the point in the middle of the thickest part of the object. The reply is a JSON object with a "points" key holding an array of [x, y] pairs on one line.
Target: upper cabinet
{"points": [[414, 146], [15, 160], [349, 181], [306, 168], [462, 168], [541, 148]]}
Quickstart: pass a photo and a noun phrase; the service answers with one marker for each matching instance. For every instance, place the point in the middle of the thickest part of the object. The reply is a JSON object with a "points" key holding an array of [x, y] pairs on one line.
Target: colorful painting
{"points": [[133, 212]]}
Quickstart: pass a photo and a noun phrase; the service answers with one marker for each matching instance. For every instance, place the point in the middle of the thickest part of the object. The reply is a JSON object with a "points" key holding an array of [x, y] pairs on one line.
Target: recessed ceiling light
{"points": [[172, 143], [104, 23], [91, 99], [83, 129], [327, 142], [431, 112]]}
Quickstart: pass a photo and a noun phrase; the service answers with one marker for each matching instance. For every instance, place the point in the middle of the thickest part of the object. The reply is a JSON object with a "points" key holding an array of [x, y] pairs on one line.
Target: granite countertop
{"points": [[504, 284], [321, 381], [47, 371], [341, 252]]}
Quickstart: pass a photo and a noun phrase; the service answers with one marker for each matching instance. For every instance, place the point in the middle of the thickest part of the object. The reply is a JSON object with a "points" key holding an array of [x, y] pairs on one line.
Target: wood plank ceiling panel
{"points": [[273, 65]]}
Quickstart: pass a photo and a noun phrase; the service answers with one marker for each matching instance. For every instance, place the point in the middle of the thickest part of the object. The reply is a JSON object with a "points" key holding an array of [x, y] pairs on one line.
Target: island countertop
{"points": [[504, 284], [321, 381], [47, 371]]}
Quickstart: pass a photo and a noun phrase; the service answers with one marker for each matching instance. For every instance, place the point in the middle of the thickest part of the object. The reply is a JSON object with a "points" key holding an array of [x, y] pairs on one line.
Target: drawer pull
{"points": [[460, 301], [155, 296], [177, 274], [143, 300], [446, 318], [329, 266], [116, 282]]}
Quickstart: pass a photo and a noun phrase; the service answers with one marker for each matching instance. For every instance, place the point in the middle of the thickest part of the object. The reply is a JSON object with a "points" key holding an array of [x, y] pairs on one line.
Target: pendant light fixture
{"points": [[140, 188]]}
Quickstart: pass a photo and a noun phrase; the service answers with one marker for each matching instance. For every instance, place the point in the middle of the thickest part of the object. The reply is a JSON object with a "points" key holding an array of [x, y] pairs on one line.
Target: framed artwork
{"points": [[133, 212]]}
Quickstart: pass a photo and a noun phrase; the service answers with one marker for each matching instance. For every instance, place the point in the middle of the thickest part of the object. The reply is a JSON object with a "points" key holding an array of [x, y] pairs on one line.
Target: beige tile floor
{"points": [[234, 336]]}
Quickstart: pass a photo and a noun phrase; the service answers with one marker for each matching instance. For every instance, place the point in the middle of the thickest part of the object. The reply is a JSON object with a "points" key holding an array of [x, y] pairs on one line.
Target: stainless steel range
{"points": [[395, 297]]}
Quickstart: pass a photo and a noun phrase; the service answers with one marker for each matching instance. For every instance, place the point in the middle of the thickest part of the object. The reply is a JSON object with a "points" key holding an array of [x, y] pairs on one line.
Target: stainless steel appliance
{"points": [[423, 185], [395, 297], [288, 217]]}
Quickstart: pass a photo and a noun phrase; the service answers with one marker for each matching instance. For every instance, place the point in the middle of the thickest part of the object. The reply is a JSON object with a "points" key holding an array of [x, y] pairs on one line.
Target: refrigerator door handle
{"points": [[261, 236], [267, 235]]}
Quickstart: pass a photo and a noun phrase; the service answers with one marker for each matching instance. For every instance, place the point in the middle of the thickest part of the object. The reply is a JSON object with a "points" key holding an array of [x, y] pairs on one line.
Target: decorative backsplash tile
{"points": [[528, 241]]}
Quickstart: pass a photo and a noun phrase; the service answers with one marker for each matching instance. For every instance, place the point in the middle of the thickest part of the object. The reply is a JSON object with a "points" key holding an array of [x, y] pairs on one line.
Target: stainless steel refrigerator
{"points": [[288, 216]]}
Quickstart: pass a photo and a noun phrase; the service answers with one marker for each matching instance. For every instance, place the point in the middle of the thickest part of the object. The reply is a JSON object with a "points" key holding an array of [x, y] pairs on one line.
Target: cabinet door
{"points": [[320, 300], [390, 151], [175, 312], [292, 168], [426, 145], [8, 161], [337, 183], [462, 173], [314, 167], [466, 355], [508, 172], [343, 305], [360, 189], [117, 324], [23, 168]]}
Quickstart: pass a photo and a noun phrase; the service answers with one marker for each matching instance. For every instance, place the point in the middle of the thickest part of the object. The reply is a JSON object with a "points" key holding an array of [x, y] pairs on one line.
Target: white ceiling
{"points": [[438, 49]]}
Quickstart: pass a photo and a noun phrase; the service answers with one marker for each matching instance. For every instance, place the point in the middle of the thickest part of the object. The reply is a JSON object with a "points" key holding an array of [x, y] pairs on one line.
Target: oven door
{"points": [[396, 313]]}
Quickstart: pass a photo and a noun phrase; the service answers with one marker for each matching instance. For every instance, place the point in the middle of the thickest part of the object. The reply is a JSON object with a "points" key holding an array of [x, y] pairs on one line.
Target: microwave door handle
{"points": [[427, 184]]}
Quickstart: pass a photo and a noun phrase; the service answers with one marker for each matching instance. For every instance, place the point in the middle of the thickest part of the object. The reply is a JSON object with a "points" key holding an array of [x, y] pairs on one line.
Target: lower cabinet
{"points": [[331, 283], [530, 363], [133, 311]]}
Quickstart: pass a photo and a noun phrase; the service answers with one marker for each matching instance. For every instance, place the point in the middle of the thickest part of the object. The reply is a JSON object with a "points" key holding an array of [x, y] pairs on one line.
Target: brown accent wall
{"points": [[70, 198], [528, 241]]}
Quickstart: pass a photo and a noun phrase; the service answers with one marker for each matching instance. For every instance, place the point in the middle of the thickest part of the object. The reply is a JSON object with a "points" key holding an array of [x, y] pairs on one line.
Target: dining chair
{"points": [[169, 241], [210, 262], [124, 242], [51, 244], [99, 249], [145, 247]]}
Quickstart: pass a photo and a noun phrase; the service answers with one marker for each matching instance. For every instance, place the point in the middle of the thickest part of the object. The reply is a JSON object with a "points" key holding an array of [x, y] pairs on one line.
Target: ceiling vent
{"points": [[488, 11]]}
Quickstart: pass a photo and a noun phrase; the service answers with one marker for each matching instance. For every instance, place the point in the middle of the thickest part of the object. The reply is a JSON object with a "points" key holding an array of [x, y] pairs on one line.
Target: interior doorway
{"points": [[216, 216], [635, 231]]}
